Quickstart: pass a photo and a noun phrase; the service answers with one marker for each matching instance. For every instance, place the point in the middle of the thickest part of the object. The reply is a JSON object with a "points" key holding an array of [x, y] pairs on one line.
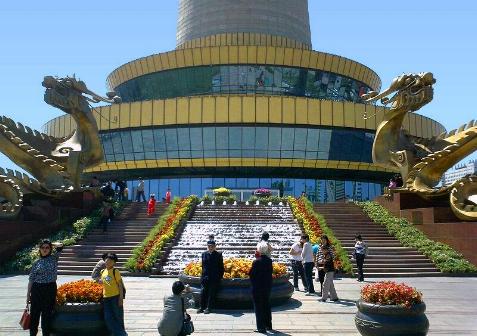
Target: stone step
{"points": [[388, 269], [408, 265]]}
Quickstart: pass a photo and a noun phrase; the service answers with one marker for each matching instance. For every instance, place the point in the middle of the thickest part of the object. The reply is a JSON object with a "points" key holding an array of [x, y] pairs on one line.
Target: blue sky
{"points": [[92, 38]]}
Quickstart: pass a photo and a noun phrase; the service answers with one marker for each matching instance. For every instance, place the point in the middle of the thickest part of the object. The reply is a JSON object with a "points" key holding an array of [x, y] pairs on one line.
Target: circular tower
{"points": [[243, 102], [284, 18]]}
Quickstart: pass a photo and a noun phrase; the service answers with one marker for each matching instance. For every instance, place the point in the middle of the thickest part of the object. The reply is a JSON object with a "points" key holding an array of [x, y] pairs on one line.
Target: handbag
{"points": [[25, 320], [187, 325]]}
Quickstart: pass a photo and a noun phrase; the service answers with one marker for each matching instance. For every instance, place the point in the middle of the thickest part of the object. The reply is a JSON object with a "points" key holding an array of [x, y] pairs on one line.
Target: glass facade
{"points": [[322, 191], [238, 142], [242, 79]]}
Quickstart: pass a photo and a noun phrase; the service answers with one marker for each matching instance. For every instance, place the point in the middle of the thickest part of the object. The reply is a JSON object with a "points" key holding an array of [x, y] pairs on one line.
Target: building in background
{"points": [[244, 102], [459, 172]]}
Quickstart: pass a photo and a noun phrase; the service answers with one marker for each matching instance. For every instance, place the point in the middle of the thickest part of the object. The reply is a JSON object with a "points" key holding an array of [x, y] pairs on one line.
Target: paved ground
{"points": [[451, 309]]}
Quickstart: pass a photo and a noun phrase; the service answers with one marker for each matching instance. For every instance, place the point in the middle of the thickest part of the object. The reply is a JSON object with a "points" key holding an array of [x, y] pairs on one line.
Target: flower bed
{"points": [[79, 309], [24, 259], [81, 291], [145, 255], [389, 308], [443, 256], [391, 293], [234, 268], [222, 191], [315, 226], [262, 192]]}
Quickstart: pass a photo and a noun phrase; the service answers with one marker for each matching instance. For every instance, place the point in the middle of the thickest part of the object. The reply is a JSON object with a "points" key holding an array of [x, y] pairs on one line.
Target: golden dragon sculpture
{"points": [[422, 162], [55, 163]]}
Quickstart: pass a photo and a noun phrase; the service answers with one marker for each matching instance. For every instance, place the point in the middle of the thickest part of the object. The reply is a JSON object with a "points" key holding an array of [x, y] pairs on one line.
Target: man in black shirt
{"points": [[212, 273], [261, 280]]}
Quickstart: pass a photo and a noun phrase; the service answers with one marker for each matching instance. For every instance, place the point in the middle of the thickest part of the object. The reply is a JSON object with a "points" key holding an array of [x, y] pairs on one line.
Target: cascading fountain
{"points": [[237, 230]]}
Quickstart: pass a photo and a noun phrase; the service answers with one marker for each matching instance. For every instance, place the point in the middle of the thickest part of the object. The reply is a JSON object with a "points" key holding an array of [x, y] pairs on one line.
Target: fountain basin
{"points": [[236, 293]]}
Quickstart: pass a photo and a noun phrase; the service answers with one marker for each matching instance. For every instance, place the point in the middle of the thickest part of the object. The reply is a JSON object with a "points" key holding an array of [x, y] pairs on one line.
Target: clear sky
{"points": [[92, 38]]}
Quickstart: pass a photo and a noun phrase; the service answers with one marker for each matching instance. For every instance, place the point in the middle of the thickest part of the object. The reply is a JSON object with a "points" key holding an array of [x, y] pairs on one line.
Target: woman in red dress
{"points": [[168, 196], [151, 205]]}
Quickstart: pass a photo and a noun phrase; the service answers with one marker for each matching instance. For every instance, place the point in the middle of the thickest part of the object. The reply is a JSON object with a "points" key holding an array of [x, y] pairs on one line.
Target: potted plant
{"points": [[391, 309], [222, 191], [79, 309], [262, 192]]}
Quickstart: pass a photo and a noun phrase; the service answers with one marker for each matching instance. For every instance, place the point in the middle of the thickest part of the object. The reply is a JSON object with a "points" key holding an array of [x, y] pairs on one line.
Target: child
{"points": [[151, 205], [113, 296]]}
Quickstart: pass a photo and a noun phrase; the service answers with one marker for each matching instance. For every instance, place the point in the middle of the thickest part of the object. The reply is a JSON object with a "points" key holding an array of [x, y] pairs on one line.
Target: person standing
{"points": [[151, 205], [308, 263], [98, 268], [264, 242], [107, 214], [212, 273], [140, 191], [41, 292], [168, 196], [261, 283], [175, 313], [297, 265], [113, 297], [107, 191], [360, 252], [326, 258]]}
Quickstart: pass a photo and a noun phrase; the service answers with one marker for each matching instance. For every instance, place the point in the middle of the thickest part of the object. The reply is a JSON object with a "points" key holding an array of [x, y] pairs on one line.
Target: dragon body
{"points": [[422, 162], [55, 163]]}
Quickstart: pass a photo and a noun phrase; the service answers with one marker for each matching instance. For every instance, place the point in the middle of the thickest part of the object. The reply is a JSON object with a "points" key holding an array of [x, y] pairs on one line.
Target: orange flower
{"points": [[81, 291], [234, 268]]}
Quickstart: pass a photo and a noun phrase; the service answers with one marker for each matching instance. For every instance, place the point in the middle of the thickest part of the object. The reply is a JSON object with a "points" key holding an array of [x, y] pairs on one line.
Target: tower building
{"points": [[243, 102]]}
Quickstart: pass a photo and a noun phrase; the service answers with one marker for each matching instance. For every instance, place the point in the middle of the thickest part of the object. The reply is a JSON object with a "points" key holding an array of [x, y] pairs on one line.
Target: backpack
{"points": [[124, 288]]}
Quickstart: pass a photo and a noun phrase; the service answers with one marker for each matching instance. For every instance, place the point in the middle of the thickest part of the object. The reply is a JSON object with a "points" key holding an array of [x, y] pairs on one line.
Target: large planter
{"points": [[390, 320], [79, 319], [236, 293]]}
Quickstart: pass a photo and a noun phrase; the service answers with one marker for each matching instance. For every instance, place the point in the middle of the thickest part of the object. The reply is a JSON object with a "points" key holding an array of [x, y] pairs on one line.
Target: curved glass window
{"points": [[317, 190], [238, 142], [242, 79]]}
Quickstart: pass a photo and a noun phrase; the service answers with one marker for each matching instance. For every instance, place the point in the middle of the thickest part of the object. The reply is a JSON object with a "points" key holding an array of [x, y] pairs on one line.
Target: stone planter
{"points": [[79, 319], [390, 320], [236, 293]]}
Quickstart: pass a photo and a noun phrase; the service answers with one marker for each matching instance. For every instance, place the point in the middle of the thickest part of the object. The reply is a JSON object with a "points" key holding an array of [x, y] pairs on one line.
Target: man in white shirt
{"points": [[140, 191], [308, 263], [297, 265]]}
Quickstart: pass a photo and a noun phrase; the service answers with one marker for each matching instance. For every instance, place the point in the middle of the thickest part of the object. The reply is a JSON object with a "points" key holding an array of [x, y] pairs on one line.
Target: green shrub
{"points": [[443, 256], [229, 199]]}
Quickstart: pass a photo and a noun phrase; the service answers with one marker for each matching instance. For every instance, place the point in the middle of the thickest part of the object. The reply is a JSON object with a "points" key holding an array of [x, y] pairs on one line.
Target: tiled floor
{"points": [[451, 308]]}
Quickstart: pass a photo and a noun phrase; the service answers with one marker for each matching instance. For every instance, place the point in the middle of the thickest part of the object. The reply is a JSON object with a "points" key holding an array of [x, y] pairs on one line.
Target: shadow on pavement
{"points": [[345, 302], [290, 305]]}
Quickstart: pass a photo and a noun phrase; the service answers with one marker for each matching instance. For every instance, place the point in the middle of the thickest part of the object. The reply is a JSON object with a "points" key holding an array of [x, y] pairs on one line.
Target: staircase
{"points": [[124, 233], [237, 230], [386, 257]]}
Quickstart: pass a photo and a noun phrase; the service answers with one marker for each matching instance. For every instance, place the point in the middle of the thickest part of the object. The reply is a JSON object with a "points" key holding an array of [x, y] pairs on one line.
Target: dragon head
{"points": [[411, 92], [70, 94]]}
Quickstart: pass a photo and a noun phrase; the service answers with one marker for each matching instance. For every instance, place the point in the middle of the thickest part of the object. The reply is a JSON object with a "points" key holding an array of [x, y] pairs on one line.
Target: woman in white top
{"points": [[308, 263], [264, 245], [359, 253]]}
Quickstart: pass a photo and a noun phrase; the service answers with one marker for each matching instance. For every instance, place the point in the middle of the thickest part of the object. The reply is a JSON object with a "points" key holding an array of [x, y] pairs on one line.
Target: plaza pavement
{"points": [[451, 308]]}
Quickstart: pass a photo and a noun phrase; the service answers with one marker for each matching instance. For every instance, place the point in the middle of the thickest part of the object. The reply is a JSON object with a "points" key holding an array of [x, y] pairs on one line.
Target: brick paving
{"points": [[451, 308]]}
